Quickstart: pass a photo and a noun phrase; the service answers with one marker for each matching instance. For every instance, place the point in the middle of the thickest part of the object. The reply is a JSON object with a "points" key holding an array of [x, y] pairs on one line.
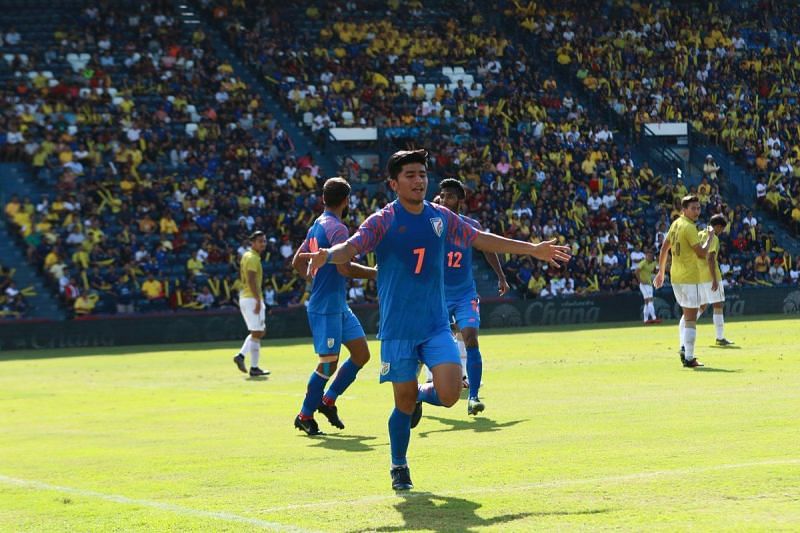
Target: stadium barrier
{"points": [[172, 328]]}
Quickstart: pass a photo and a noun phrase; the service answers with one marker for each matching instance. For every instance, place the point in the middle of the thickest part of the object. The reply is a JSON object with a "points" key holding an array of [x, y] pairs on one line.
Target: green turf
{"points": [[584, 429]]}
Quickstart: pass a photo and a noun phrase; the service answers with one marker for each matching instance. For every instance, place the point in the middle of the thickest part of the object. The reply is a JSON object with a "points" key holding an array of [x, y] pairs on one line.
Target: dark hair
{"points": [[718, 220], [689, 199], [335, 191], [256, 234], [404, 157], [454, 184]]}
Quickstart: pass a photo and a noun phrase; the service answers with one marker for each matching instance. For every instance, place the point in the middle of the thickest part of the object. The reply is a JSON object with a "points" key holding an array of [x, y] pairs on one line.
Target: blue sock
{"points": [[344, 378], [474, 370], [427, 393], [399, 434], [316, 386]]}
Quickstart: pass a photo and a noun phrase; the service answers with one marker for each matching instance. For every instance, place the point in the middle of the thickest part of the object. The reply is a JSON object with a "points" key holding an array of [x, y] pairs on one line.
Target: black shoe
{"points": [[723, 342], [256, 372], [416, 416], [309, 426], [694, 363], [401, 478], [331, 412], [239, 361]]}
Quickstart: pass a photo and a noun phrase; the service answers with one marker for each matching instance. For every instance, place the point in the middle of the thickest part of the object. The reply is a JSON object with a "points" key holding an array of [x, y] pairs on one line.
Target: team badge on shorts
{"points": [[385, 368], [331, 342], [438, 226]]}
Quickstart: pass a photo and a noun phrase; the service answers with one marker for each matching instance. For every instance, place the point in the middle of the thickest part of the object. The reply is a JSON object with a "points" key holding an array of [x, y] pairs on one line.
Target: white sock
{"points": [[255, 352], [246, 345], [651, 306], [681, 328], [646, 312], [689, 335], [719, 325], [462, 351]]}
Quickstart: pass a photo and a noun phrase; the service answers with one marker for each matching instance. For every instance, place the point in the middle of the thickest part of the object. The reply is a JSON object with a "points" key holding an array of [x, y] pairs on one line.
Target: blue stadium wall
{"points": [[283, 323]]}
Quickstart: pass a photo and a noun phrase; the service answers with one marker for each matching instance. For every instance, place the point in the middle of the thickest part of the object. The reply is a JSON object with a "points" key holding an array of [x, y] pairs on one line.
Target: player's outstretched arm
{"points": [[658, 281], [357, 271], [338, 255], [547, 251]]}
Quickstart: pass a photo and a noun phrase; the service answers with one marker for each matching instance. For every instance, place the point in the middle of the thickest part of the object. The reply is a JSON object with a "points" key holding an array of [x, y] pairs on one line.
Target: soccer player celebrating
{"points": [[644, 273], [252, 308], [684, 245], [711, 278], [331, 320], [460, 293], [409, 236]]}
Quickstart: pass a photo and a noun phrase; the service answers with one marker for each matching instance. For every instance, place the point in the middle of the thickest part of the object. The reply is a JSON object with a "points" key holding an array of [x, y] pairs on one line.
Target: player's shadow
{"points": [[257, 378], [729, 347], [478, 425], [347, 443], [432, 512], [715, 369]]}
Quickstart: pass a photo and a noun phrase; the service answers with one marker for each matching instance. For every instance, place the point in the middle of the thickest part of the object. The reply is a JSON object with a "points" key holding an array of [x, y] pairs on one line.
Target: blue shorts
{"points": [[330, 331], [467, 311], [400, 358]]}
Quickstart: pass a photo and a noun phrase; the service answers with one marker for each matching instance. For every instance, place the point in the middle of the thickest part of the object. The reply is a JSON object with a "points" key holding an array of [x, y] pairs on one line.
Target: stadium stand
{"points": [[162, 158]]}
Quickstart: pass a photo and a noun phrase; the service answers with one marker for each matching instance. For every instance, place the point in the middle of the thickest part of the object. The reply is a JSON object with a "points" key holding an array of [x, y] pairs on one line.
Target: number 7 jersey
{"points": [[410, 252]]}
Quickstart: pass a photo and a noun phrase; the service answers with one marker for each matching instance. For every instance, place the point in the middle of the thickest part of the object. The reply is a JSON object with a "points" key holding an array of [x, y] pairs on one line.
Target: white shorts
{"points": [[688, 295], [647, 290], [255, 322], [713, 297]]}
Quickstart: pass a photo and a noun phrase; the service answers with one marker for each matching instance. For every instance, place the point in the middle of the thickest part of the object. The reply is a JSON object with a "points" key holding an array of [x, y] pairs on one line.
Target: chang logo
{"points": [[791, 304]]}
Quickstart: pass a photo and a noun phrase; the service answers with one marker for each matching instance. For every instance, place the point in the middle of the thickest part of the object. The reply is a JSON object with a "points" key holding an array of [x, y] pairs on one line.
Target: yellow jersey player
{"points": [[644, 273], [711, 278], [684, 245], [251, 305]]}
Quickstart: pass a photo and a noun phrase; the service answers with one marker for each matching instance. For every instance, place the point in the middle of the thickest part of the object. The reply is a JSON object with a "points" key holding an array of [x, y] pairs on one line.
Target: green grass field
{"points": [[596, 428]]}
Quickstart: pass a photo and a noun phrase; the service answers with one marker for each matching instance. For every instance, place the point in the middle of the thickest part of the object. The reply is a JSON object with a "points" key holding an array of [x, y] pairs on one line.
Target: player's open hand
{"points": [[658, 281], [551, 252], [502, 287], [316, 260], [715, 285]]}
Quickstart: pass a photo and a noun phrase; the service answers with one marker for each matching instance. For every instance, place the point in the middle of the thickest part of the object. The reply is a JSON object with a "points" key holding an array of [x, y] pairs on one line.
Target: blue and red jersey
{"points": [[410, 251]]}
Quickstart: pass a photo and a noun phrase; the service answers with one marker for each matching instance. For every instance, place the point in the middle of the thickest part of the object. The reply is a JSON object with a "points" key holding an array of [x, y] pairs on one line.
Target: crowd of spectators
{"points": [[536, 165], [729, 72], [164, 160], [12, 298]]}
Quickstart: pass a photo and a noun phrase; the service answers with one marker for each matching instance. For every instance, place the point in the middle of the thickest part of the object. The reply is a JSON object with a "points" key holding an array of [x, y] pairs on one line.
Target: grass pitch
{"points": [[597, 428]]}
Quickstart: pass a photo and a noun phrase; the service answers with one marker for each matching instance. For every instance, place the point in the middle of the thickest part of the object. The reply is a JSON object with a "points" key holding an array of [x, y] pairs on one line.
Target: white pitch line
{"points": [[637, 476], [168, 507]]}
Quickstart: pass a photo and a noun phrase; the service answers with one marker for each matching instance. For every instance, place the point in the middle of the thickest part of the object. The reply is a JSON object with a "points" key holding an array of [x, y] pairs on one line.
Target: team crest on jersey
{"points": [[331, 342], [385, 368], [438, 226]]}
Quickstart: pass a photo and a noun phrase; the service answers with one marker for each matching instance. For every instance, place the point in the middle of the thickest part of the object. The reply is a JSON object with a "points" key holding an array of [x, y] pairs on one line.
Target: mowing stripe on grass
{"points": [[168, 507], [637, 476]]}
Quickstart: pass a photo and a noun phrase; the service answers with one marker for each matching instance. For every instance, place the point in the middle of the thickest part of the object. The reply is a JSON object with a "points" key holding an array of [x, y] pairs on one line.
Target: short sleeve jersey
{"points": [[328, 289], [702, 263], [683, 237], [458, 280], [251, 261], [645, 269], [410, 252]]}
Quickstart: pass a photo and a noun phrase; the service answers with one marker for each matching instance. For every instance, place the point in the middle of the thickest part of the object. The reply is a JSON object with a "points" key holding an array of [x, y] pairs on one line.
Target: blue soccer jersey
{"points": [[410, 252], [329, 288], [458, 280]]}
